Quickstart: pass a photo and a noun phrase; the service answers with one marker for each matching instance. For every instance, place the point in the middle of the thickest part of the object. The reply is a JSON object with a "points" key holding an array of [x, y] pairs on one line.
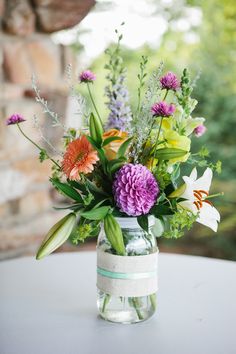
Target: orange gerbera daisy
{"points": [[79, 158]]}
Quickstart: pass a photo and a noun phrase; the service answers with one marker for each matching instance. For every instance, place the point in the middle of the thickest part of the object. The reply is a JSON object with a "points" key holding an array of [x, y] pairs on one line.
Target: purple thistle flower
{"points": [[15, 119], [120, 112], [200, 130], [162, 109], [87, 76], [169, 81], [135, 189]]}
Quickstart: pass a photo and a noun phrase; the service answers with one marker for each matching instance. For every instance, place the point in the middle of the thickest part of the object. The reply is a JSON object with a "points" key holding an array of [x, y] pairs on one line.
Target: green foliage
{"points": [[43, 155], [66, 190], [124, 146], [143, 222], [83, 231], [96, 213], [181, 220], [162, 176], [141, 78]]}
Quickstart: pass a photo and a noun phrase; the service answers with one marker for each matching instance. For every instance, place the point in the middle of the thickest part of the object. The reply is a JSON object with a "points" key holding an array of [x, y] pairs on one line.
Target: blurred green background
{"points": [[208, 49]]}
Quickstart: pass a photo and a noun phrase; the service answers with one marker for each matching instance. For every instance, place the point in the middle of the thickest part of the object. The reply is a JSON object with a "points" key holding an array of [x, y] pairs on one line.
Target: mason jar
{"points": [[127, 285]]}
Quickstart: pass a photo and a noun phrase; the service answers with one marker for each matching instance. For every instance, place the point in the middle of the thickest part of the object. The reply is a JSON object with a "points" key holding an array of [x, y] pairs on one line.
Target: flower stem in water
{"points": [[105, 302], [136, 305]]}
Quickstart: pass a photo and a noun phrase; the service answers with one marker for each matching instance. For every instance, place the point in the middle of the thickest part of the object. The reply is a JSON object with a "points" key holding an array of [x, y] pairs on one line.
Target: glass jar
{"points": [[127, 285]]}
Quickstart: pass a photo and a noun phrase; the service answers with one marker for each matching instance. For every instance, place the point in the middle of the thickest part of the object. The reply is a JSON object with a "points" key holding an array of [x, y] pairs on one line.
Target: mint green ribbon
{"points": [[116, 275]]}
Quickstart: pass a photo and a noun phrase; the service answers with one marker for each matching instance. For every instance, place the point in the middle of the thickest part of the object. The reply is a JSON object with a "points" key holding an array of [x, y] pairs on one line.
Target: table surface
{"points": [[49, 307]]}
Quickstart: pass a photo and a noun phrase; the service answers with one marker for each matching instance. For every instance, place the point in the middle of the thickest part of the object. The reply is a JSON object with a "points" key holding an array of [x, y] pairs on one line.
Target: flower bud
{"points": [[95, 128], [57, 235], [114, 234]]}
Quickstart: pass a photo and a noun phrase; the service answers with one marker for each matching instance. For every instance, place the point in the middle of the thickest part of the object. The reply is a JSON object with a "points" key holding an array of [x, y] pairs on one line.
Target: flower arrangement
{"points": [[131, 164]]}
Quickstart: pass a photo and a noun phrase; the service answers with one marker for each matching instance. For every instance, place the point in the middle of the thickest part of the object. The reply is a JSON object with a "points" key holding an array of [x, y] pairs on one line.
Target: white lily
{"points": [[195, 192]]}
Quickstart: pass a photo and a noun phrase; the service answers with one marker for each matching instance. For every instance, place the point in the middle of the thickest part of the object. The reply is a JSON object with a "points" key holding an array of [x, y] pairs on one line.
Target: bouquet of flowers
{"points": [[131, 164]]}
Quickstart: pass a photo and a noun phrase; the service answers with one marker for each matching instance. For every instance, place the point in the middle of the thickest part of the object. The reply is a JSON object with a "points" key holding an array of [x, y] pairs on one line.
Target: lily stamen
{"points": [[198, 194]]}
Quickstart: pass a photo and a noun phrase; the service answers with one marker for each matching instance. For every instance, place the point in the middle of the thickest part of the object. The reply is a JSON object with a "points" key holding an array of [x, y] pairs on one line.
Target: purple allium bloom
{"points": [[162, 109], [200, 130], [120, 112], [87, 76], [15, 119], [169, 81], [135, 189]]}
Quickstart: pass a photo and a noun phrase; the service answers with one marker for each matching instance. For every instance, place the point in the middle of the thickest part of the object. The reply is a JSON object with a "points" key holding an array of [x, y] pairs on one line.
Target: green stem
{"points": [[105, 302], [93, 102], [155, 149], [37, 146], [152, 298], [165, 95], [135, 305]]}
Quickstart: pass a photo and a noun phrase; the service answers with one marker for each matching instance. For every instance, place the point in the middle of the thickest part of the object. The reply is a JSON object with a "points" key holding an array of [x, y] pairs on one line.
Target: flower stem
{"points": [[105, 302], [152, 298], [37, 146], [136, 307], [92, 100], [155, 149], [165, 94]]}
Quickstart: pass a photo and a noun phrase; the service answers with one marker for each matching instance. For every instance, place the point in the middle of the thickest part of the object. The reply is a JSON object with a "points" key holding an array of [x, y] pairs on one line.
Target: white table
{"points": [[49, 307]]}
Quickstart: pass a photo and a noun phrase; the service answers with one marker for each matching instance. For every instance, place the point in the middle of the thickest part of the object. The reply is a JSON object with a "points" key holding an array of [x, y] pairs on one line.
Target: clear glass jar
{"points": [[129, 309]]}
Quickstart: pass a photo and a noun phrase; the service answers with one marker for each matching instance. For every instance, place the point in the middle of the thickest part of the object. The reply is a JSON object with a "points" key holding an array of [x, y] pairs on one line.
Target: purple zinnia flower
{"points": [[200, 130], [15, 119], [87, 76], [135, 189], [162, 109], [169, 81]]}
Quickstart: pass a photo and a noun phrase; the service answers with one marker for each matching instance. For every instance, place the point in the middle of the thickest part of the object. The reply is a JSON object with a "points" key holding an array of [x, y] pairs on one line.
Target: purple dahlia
{"points": [[135, 189], [15, 119], [87, 76], [169, 81], [162, 109]]}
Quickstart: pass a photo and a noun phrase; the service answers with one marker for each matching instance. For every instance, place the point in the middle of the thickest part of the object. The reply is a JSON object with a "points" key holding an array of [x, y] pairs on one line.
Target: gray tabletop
{"points": [[49, 307]]}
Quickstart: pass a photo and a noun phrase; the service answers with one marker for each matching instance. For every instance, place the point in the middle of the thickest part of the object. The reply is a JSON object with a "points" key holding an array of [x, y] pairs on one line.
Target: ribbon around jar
{"points": [[130, 276]]}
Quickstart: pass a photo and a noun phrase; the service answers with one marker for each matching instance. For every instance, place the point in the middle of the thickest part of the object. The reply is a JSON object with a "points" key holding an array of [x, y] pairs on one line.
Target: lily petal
{"points": [[193, 174], [204, 182]]}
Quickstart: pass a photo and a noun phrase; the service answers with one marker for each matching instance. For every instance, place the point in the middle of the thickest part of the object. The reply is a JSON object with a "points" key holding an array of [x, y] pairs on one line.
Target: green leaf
{"points": [[93, 188], [67, 190], [57, 235], [122, 149], [114, 234], [169, 153], [96, 213], [110, 139], [100, 203], [74, 207], [78, 185], [143, 222], [93, 142], [115, 165], [160, 210]]}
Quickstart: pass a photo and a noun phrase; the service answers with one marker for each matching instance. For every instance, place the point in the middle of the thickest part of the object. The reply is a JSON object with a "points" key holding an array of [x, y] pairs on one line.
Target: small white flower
{"points": [[195, 193]]}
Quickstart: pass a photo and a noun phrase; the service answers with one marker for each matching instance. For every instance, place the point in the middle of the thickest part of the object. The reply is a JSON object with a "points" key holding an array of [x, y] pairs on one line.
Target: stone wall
{"points": [[26, 197]]}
